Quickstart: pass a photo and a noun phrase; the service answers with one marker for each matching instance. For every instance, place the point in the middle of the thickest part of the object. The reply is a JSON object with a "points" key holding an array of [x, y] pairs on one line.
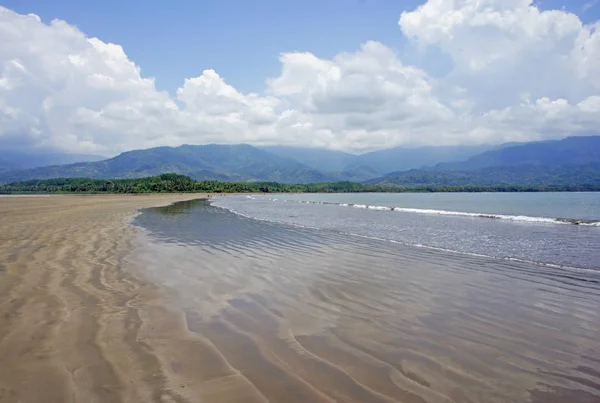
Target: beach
{"points": [[192, 303], [71, 314]]}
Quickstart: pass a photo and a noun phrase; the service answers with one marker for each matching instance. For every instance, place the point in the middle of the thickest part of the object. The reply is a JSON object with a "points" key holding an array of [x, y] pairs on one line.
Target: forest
{"points": [[174, 183]]}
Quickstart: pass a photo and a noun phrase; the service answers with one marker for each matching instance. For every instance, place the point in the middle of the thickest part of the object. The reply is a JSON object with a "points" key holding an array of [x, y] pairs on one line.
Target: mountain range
{"points": [[381, 161], [505, 176], [571, 160], [243, 162], [569, 151], [18, 160], [219, 162]]}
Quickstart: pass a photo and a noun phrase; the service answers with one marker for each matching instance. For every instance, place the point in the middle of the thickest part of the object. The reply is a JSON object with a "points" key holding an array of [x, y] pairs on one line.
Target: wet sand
{"points": [[71, 313], [207, 306], [304, 315]]}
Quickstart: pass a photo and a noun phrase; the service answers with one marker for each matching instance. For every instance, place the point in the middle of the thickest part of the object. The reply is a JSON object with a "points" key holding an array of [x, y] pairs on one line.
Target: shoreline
{"points": [[427, 247], [94, 310], [74, 310], [331, 316]]}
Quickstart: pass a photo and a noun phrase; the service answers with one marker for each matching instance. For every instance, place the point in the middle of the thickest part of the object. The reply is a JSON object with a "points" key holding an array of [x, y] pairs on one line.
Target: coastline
{"points": [[215, 307], [72, 312], [321, 316]]}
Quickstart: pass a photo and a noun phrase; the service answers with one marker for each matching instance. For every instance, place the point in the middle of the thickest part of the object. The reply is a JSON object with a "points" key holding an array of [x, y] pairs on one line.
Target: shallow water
{"points": [[527, 226], [311, 315]]}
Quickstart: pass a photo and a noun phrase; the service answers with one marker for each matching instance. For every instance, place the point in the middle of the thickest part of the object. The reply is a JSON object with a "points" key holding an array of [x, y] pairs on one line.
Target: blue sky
{"points": [[352, 75], [241, 39]]}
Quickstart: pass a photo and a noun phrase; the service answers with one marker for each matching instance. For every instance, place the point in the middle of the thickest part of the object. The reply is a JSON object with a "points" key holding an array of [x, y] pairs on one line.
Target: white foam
{"points": [[418, 245], [381, 208], [519, 218], [523, 218]]}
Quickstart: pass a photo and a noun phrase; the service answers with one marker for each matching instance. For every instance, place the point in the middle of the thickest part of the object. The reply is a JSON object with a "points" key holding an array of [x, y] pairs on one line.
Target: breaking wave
{"points": [[521, 218]]}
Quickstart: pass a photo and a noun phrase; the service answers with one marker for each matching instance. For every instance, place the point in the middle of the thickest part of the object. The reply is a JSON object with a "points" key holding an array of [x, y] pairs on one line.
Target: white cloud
{"points": [[503, 50], [518, 73], [364, 99]]}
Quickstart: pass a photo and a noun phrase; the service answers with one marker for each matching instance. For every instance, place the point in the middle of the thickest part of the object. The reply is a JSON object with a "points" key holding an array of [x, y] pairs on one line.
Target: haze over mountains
{"points": [[381, 161], [15, 160], [569, 151], [220, 162], [244, 162], [569, 161]]}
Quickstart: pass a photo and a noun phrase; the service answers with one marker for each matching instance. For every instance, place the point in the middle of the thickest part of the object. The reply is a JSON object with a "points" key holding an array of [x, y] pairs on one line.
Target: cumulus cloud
{"points": [[518, 73], [63, 90], [364, 99], [504, 50]]}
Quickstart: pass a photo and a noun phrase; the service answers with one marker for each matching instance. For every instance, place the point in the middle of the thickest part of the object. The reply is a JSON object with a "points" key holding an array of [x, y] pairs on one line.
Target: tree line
{"points": [[174, 183]]}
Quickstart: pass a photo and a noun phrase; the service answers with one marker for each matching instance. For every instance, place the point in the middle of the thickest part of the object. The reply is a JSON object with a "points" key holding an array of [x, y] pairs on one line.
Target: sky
{"points": [[354, 75]]}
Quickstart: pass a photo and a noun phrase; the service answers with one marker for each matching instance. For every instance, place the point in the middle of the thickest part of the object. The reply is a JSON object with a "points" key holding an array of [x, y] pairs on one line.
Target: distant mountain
{"points": [[6, 166], [11, 160], [508, 164], [359, 173], [569, 151], [239, 163], [518, 175], [318, 158], [213, 161], [571, 161], [379, 162], [403, 158]]}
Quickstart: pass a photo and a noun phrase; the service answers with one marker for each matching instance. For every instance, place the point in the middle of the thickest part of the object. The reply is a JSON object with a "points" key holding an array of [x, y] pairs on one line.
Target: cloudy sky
{"points": [[351, 75]]}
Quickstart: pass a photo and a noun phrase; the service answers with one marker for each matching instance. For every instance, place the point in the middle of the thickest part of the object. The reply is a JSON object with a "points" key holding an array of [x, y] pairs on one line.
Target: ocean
{"points": [[552, 228], [444, 298]]}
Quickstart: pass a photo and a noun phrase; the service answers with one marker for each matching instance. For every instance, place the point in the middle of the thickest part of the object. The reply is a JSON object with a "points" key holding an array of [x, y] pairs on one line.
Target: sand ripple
{"points": [[315, 316], [70, 314], [207, 306]]}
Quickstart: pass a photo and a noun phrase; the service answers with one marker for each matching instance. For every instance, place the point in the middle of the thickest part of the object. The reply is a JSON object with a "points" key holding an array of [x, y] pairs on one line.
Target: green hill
{"points": [[573, 160], [15, 159], [569, 151], [218, 162], [377, 163], [520, 175]]}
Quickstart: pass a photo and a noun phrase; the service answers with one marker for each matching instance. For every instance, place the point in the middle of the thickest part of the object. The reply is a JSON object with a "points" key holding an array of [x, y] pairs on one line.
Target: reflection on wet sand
{"points": [[285, 314]]}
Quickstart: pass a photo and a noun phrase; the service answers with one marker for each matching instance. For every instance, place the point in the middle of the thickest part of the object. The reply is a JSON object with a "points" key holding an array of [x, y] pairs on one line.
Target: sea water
{"points": [[551, 228]]}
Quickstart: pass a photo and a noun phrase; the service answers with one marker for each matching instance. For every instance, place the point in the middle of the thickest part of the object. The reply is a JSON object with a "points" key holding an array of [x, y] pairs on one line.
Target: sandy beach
{"points": [[71, 316], [194, 303]]}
